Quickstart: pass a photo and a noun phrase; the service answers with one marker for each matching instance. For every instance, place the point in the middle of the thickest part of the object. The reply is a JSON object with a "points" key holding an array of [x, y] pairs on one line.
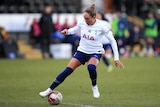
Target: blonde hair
{"points": [[91, 10]]}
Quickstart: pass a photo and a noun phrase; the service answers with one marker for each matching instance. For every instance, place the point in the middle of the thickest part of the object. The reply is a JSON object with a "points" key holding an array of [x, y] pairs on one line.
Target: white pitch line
{"points": [[80, 105], [27, 101]]}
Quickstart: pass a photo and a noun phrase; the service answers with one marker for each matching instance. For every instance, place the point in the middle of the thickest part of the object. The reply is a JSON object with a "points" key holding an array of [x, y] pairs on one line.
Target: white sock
{"points": [[108, 56]]}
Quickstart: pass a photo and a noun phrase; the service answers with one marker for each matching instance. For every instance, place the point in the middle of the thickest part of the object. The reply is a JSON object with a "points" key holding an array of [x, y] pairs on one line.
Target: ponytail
{"points": [[91, 10]]}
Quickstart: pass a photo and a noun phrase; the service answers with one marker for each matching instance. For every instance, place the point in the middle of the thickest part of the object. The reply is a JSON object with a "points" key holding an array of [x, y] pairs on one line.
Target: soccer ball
{"points": [[55, 97]]}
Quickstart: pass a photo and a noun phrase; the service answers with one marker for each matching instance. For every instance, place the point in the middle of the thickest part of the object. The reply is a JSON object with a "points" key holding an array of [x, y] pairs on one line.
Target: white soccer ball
{"points": [[55, 98]]}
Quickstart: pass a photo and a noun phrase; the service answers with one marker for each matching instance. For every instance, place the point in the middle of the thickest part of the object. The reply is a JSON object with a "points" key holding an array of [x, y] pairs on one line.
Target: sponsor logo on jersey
{"points": [[88, 37]]}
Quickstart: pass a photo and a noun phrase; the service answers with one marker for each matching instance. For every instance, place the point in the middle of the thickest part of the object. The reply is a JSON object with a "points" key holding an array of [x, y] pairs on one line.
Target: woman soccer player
{"points": [[107, 56], [89, 50]]}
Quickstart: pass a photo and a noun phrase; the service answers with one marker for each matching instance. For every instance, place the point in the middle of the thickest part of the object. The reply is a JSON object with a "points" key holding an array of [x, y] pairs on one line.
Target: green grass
{"points": [[138, 85]]}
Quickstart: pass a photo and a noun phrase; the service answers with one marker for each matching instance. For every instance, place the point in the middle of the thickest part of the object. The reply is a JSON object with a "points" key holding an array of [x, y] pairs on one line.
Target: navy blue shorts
{"points": [[107, 46], [83, 57]]}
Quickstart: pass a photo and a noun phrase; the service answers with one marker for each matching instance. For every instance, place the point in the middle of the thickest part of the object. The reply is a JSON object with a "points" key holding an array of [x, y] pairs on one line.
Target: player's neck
{"points": [[94, 21]]}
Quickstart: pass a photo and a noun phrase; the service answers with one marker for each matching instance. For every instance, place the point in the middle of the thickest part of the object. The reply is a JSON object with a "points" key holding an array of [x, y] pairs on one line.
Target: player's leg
{"points": [[105, 60], [92, 65], [107, 56], [73, 64]]}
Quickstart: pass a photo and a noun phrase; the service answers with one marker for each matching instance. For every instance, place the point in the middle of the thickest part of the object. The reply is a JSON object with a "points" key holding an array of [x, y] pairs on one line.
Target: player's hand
{"points": [[65, 31], [119, 64]]}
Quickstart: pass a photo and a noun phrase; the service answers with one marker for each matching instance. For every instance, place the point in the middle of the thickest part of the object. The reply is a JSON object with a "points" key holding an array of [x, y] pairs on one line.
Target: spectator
{"points": [[114, 23], [47, 29], [74, 21], [57, 25], [8, 47], [57, 37], [121, 33], [72, 39], [151, 33], [35, 33], [65, 25], [134, 40], [3, 33], [1, 46], [3, 36]]}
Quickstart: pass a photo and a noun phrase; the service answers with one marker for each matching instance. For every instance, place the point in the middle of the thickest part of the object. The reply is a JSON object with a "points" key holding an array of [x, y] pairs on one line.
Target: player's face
{"points": [[88, 19]]}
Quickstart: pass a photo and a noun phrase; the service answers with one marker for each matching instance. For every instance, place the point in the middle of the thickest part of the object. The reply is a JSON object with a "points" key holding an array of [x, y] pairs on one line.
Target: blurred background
{"points": [[30, 29]]}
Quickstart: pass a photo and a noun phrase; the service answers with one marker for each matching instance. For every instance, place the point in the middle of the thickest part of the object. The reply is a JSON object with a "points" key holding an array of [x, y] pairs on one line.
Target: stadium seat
{"points": [[23, 9], [40, 8], [37, 6], [61, 9], [71, 9], [67, 3], [48, 2], [57, 3], [3, 9], [38, 2], [12, 9], [33, 9]]}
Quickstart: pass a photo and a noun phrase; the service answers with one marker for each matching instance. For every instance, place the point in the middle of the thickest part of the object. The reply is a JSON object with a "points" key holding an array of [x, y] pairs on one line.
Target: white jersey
{"points": [[91, 36], [104, 40]]}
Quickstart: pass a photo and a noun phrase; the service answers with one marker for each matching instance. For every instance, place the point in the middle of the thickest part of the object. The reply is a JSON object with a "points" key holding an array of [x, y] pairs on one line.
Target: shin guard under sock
{"points": [[61, 77], [93, 74]]}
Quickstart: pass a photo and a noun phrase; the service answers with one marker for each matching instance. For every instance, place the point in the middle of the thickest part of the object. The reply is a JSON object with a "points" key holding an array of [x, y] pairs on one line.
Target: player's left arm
{"points": [[113, 42]]}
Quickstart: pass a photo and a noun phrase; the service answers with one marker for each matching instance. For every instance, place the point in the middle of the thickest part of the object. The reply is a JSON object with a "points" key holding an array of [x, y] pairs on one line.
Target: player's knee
{"points": [[91, 67]]}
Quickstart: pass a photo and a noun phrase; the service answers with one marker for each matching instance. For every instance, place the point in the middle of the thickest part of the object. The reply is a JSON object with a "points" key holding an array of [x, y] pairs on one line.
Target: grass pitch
{"points": [[137, 85]]}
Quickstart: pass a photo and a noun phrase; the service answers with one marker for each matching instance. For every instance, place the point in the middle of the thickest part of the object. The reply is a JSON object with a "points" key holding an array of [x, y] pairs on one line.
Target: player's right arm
{"points": [[65, 31], [72, 30]]}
